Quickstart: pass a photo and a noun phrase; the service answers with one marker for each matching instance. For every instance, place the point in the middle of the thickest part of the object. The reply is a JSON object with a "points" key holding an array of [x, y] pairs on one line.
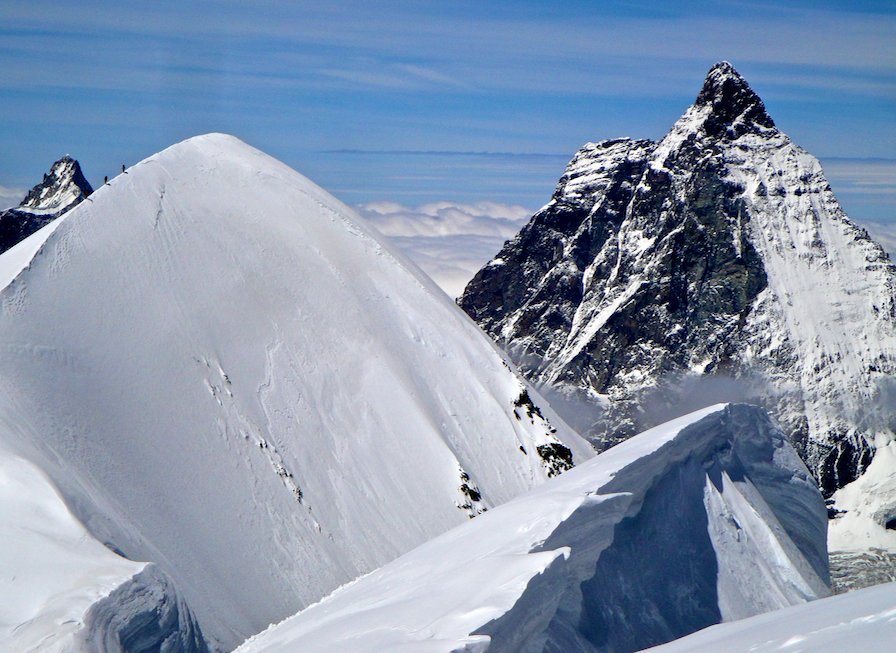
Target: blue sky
{"points": [[421, 101]]}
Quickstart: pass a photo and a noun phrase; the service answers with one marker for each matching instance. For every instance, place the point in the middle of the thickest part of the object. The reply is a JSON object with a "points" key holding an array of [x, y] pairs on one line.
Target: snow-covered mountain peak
{"points": [[726, 108], [226, 372], [61, 188], [735, 107], [718, 254]]}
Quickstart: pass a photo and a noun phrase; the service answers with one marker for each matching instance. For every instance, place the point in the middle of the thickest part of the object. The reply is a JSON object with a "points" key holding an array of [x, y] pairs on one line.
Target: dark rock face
{"points": [[707, 267], [735, 108], [63, 188], [575, 225]]}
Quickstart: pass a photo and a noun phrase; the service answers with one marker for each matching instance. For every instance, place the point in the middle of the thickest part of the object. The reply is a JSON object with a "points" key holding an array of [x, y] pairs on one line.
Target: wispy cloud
{"points": [[389, 75], [884, 233], [862, 175], [11, 196], [449, 241], [479, 48], [296, 78], [866, 188]]}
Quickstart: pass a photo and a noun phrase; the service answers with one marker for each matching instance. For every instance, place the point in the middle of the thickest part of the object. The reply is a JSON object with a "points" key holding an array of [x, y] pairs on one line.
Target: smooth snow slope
{"points": [[709, 517], [227, 374], [19, 256], [863, 620]]}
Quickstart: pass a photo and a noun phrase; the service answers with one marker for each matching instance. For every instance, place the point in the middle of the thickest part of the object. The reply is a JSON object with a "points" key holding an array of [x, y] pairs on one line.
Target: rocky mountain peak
{"points": [[61, 188], [714, 263], [733, 107]]}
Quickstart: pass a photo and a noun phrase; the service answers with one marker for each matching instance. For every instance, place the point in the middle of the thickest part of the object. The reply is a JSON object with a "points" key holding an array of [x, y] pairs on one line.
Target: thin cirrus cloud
{"points": [[863, 176], [866, 189], [295, 79], [477, 48]]}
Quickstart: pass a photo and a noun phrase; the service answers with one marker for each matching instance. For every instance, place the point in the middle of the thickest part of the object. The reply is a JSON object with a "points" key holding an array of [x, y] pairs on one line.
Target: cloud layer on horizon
{"points": [[449, 241], [10, 197]]}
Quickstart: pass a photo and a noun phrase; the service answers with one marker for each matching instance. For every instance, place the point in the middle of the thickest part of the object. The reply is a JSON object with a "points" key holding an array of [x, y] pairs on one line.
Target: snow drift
{"points": [[711, 517], [62, 591], [863, 620], [225, 373]]}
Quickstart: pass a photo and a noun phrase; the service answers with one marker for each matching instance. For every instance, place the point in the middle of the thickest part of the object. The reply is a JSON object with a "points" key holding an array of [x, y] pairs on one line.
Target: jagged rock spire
{"points": [[735, 108], [61, 188]]}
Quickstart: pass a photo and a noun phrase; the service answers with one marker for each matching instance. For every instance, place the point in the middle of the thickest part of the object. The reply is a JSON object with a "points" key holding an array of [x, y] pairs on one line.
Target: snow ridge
{"points": [[862, 620], [711, 517], [61, 590]]}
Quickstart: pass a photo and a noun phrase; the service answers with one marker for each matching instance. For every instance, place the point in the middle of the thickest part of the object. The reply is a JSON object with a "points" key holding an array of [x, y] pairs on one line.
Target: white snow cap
{"points": [[63, 187], [225, 372]]}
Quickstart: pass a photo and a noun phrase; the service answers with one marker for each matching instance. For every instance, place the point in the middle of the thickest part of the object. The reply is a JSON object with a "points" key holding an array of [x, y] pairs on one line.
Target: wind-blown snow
{"points": [[710, 517], [51, 570], [863, 620], [61, 591], [226, 373]]}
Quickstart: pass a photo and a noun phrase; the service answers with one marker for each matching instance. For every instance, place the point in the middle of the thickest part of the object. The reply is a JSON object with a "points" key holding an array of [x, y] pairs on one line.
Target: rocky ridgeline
{"points": [[715, 264], [61, 189]]}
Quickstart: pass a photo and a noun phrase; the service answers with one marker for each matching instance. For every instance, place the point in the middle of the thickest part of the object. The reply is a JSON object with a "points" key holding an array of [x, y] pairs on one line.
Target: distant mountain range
{"points": [[226, 402]]}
